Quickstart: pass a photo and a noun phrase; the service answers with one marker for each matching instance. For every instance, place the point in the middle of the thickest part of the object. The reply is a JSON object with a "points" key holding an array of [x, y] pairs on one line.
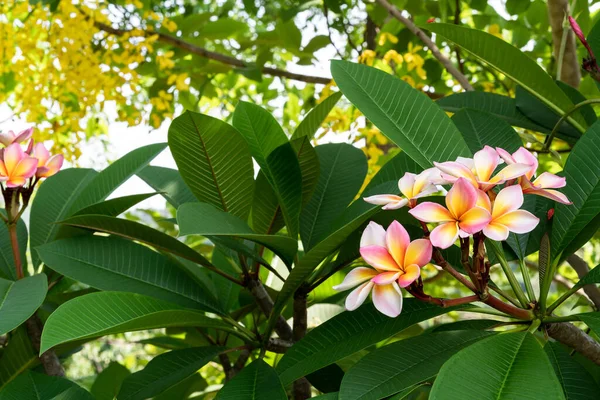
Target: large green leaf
{"points": [[18, 356], [20, 299], [513, 63], [499, 106], [591, 277], [583, 189], [576, 382], [169, 183], [103, 184], [401, 365], [505, 366], [315, 117], [405, 115], [347, 333], [36, 386], [112, 263], [342, 171], [105, 313], [204, 219], [53, 202], [165, 371], [277, 160], [393, 170], [116, 206], [257, 381], [8, 269], [108, 382], [480, 128], [591, 319], [214, 161]]}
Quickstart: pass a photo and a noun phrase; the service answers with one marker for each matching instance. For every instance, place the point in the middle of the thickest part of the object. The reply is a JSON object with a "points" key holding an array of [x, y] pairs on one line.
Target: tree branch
{"points": [[265, 303], [570, 69], [49, 359], [222, 58], [464, 82], [581, 267], [301, 386], [568, 334]]}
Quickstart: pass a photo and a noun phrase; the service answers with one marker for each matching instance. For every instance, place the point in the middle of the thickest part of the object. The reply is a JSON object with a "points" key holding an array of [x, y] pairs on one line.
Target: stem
{"points": [[488, 311], [439, 260], [561, 299], [14, 242], [527, 281], [567, 318], [512, 279], [508, 308], [561, 52], [301, 387], [564, 117], [505, 295]]}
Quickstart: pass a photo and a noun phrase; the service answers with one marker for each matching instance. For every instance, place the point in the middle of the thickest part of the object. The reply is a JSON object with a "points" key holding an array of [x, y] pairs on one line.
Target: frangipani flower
{"points": [[543, 184], [411, 186], [462, 216], [479, 170], [506, 216], [7, 138], [16, 166], [396, 261], [46, 166]]}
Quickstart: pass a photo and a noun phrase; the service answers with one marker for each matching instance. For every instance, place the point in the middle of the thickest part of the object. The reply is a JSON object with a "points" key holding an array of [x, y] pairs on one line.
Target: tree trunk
{"points": [[570, 70]]}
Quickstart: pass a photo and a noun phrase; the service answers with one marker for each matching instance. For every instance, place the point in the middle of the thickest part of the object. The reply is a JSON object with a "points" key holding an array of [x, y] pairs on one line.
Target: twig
{"points": [[568, 334], [581, 267], [464, 82]]}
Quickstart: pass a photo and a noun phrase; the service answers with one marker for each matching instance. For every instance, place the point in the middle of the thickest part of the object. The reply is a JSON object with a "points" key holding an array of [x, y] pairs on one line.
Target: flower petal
{"points": [[431, 212], [397, 240], [418, 253], [505, 155], [15, 181], [373, 235], [483, 200], [511, 171], [388, 299], [524, 156], [406, 184], [7, 138], [12, 155], [457, 170], [443, 236], [411, 273], [385, 278], [546, 180], [496, 231], [519, 221], [461, 198], [356, 277], [25, 168], [358, 296], [508, 199], [379, 258], [396, 205], [23, 135], [382, 199], [54, 165], [41, 153], [550, 194], [486, 160], [474, 220]]}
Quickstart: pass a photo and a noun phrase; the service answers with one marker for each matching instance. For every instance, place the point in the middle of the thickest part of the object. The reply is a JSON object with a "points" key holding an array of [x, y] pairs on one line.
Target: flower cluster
{"points": [[485, 200]]}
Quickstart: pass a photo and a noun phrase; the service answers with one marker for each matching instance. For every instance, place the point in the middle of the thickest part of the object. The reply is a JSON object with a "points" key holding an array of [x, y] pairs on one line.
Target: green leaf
{"points": [[315, 117], [204, 219], [583, 189], [257, 381], [277, 160], [165, 371], [116, 206], [111, 263], [592, 320], [103, 184], [515, 367], [169, 183], [53, 202], [20, 299], [576, 382], [8, 269], [342, 171], [513, 63], [393, 170], [468, 324], [546, 272], [592, 277], [499, 106], [480, 128], [401, 365], [105, 313], [108, 382], [347, 333], [35, 386], [405, 115], [214, 161], [18, 356]]}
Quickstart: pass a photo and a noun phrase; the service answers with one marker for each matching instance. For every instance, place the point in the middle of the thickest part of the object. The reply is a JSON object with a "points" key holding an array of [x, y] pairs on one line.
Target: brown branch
{"points": [[569, 335], [370, 33], [49, 358], [265, 303], [279, 346], [439, 260], [581, 267], [227, 368], [464, 82], [222, 58], [571, 71], [301, 387]]}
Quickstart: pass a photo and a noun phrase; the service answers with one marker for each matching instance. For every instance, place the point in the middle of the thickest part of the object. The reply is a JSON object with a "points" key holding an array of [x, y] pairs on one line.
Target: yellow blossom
{"points": [[385, 37], [393, 55], [367, 57]]}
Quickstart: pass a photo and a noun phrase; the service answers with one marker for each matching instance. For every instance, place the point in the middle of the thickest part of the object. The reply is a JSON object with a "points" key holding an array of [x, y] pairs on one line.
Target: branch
{"points": [[570, 71], [301, 386], [222, 58], [568, 334], [265, 303], [581, 267], [464, 82], [49, 359]]}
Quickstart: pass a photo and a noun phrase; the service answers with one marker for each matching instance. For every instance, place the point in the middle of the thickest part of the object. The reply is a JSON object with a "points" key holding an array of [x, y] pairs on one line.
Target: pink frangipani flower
{"points": [[16, 166], [506, 216], [521, 156], [8, 138], [462, 215], [396, 263], [479, 170], [412, 186], [47, 165]]}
